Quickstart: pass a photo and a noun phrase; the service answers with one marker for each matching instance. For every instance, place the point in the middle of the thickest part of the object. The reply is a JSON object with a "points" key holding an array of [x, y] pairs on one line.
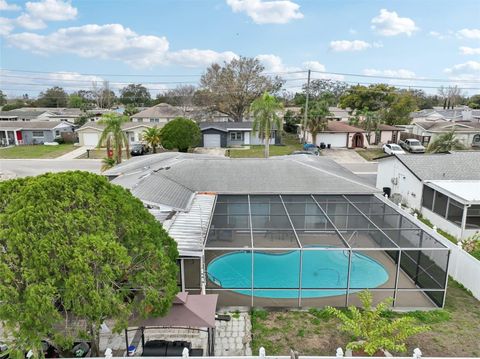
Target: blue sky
{"points": [[408, 39]]}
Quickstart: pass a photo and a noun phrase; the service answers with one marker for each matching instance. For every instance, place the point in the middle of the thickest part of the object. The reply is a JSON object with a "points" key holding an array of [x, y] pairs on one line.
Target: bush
{"points": [[180, 133], [430, 317], [59, 140]]}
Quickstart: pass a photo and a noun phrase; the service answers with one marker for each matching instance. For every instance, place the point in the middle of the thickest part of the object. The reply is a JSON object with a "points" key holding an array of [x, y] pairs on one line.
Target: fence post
{"points": [[108, 353], [434, 228], [339, 353], [185, 353], [417, 353], [261, 352]]}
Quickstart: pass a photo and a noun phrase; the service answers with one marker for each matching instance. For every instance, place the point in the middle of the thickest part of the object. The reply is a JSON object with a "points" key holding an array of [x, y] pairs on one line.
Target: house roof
{"points": [[198, 173], [341, 127], [30, 125], [464, 165], [126, 126], [384, 127], [445, 126], [162, 110], [30, 114], [226, 126]]}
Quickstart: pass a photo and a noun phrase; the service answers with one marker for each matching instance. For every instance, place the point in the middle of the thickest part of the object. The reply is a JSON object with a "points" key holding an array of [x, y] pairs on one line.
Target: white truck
{"points": [[412, 145]]}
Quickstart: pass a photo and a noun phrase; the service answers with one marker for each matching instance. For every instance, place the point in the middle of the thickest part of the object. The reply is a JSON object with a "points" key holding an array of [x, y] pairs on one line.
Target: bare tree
{"points": [[104, 97], [181, 96], [450, 95], [231, 88]]}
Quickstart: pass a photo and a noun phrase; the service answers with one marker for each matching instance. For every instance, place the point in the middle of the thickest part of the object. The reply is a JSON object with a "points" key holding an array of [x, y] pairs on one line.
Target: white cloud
{"points": [[352, 31], [115, 42], [388, 23], [437, 35], [52, 10], [469, 34], [400, 73], [465, 50], [354, 45], [29, 22], [6, 26], [469, 70], [267, 12], [4, 6]]}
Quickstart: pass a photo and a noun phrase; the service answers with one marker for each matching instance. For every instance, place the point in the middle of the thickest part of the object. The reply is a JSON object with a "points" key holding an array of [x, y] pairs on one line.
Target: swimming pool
{"points": [[326, 269]]}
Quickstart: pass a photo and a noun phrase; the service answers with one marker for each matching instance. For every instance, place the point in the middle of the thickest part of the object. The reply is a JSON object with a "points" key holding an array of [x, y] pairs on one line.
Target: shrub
{"points": [[180, 133], [59, 140]]}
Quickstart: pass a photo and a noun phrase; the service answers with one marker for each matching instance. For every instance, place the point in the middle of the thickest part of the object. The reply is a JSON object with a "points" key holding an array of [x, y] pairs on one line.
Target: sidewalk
{"points": [[75, 153]]}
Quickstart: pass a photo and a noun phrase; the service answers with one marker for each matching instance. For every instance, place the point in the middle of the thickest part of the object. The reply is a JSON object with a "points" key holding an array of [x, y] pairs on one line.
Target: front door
{"points": [[357, 140]]}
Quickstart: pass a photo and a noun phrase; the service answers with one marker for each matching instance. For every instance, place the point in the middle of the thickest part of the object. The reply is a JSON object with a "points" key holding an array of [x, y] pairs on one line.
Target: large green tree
{"points": [[372, 98], [76, 251], [53, 97], [265, 111], [446, 142], [398, 112], [327, 90], [3, 98], [474, 102], [135, 94], [180, 133], [113, 135], [231, 88]]}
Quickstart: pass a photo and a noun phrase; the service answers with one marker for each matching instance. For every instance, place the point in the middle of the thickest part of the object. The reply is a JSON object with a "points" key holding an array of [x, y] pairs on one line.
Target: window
{"points": [[236, 136], [37, 133], [440, 205], [427, 200], [154, 120], [57, 133], [476, 140], [473, 217], [455, 212]]}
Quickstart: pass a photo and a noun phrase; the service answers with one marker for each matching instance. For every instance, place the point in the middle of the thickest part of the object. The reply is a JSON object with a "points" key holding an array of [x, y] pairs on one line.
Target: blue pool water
{"points": [[321, 269]]}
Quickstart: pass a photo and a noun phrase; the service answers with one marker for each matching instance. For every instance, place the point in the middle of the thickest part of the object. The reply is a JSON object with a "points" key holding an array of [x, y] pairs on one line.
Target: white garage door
{"points": [[211, 140], [90, 139], [334, 139]]}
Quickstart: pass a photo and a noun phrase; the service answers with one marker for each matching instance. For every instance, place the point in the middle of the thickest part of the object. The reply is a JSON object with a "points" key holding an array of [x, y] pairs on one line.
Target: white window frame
{"points": [[236, 136]]}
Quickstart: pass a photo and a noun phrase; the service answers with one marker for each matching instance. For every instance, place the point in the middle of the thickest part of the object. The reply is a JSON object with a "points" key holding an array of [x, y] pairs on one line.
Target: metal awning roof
{"points": [[466, 192]]}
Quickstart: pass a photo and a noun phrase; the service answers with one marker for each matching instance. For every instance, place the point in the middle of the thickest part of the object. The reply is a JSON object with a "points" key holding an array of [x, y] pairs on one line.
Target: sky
{"points": [[164, 43]]}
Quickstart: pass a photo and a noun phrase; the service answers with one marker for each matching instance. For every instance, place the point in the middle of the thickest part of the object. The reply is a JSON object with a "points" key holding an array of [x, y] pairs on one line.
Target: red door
{"points": [[19, 136]]}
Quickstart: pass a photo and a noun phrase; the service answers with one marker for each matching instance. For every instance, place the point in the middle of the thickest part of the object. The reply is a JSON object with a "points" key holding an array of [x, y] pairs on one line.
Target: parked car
{"points": [[393, 149], [139, 149], [412, 145]]}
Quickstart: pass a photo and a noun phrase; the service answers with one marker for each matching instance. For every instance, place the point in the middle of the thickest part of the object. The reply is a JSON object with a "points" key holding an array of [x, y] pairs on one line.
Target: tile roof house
{"points": [[445, 188], [32, 132]]}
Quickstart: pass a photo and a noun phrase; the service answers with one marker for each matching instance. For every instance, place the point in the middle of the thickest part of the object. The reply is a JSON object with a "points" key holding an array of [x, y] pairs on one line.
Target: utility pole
{"points": [[305, 115]]}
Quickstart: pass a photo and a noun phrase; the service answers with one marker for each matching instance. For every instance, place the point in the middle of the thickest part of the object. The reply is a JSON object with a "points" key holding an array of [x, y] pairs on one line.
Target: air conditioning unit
{"points": [[394, 181]]}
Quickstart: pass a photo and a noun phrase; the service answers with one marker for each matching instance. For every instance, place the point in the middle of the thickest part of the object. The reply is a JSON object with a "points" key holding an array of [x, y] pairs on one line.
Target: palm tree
{"points": [[264, 111], [370, 123], [113, 135], [107, 163], [446, 142], [317, 120], [152, 136]]}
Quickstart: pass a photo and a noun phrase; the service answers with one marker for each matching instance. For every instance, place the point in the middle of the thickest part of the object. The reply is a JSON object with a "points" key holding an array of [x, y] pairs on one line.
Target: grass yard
{"points": [[98, 154], [290, 142], [35, 151], [371, 153], [454, 330]]}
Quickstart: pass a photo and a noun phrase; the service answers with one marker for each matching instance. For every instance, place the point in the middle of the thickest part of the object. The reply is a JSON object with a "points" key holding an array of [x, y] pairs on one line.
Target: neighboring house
{"points": [[468, 132], [32, 132], [89, 134], [386, 134], [337, 113], [436, 114], [161, 113], [445, 188], [51, 114], [232, 134], [340, 135]]}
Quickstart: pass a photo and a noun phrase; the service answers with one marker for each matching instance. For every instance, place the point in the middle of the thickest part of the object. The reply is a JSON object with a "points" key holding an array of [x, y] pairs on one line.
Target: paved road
{"points": [[34, 167]]}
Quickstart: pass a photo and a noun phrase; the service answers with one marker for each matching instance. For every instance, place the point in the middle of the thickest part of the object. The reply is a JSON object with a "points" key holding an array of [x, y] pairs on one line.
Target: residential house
{"points": [[160, 114], [290, 231], [337, 113], [232, 134], [468, 132], [30, 114], [89, 134], [70, 115], [439, 114], [385, 134], [445, 188], [32, 132], [339, 135]]}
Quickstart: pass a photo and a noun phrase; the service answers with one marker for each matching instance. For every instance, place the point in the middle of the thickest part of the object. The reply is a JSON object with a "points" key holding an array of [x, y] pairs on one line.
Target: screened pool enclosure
{"points": [[317, 250]]}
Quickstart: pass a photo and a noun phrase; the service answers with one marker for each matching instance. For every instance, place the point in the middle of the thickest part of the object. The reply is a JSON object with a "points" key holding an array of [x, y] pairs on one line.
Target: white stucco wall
{"points": [[407, 185], [255, 140], [336, 140]]}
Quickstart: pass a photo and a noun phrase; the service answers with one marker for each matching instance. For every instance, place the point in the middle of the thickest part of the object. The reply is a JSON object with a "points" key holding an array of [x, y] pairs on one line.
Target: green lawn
{"points": [[98, 153], [454, 330], [371, 153], [290, 144], [35, 151]]}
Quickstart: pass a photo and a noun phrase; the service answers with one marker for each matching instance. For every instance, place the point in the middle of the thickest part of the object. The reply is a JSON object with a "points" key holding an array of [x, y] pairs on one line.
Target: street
{"points": [[11, 168]]}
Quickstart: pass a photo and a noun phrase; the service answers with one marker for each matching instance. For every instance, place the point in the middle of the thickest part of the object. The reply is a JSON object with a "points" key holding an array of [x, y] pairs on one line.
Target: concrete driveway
{"points": [[33, 167], [352, 161], [214, 151]]}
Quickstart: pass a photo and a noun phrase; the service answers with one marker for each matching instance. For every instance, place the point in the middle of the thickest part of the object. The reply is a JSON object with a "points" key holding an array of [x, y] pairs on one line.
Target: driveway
{"points": [[75, 153], [352, 161], [34, 167], [214, 151]]}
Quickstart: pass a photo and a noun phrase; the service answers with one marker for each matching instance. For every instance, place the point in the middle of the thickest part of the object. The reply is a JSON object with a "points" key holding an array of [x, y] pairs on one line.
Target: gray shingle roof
{"points": [[125, 126], [449, 166], [443, 126], [30, 125], [162, 110], [226, 126], [283, 175]]}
